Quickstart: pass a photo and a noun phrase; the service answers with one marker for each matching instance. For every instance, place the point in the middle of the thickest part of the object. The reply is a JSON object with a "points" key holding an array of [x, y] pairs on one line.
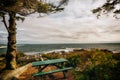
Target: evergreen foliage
{"points": [[22, 7], [108, 7]]}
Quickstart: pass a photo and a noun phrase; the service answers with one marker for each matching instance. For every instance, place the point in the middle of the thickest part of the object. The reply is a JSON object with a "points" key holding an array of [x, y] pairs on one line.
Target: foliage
{"points": [[21, 7], [43, 8], [99, 66], [74, 59], [26, 7], [51, 55], [20, 54], [92, 64], [109, 6], [8, 2]]}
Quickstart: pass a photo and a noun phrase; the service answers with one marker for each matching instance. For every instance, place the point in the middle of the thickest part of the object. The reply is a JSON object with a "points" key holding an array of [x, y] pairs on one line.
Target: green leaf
{"points": [[96, 10], [20, 18]]}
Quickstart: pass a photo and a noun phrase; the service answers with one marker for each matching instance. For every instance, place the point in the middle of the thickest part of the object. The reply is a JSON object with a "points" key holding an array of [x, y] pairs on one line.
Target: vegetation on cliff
{"points": [[92, 64]]}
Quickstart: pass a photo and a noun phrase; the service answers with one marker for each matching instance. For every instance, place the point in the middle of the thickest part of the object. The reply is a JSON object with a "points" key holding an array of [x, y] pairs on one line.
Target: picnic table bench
{"points": [[59, 63]]}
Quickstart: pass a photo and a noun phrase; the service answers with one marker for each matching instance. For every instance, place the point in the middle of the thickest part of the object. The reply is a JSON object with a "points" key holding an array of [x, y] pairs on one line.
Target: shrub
{"points": [[98, 66], [94, 64], [20, 54]]}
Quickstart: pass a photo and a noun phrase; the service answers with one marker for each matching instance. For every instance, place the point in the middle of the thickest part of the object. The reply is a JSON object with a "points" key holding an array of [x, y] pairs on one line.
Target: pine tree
{"points": [[21, 7], [109, 7]]}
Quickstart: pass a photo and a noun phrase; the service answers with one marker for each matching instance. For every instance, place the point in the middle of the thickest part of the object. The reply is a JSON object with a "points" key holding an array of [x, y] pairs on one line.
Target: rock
{"points": [[78, 50], [106, 50]]}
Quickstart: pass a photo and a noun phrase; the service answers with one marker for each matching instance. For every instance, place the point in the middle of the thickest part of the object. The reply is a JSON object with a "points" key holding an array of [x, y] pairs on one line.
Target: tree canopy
{"points": [[25, 7], [111, 6], [21, 7]]}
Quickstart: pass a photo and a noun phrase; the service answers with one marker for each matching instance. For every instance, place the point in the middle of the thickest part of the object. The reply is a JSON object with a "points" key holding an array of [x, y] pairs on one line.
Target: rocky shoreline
{"points": [[39, 57]]}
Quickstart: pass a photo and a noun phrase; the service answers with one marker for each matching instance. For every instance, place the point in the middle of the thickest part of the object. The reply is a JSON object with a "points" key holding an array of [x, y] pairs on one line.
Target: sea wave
{"points": [[59, 50], [66, 50], [3, 46]]}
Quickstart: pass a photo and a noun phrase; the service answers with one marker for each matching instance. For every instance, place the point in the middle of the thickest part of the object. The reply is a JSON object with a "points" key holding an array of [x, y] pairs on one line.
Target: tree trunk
{"points": [[11, 46]]}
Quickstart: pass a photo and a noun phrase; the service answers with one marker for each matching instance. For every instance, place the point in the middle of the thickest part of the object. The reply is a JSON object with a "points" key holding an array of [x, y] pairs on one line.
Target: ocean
{"points": [[42, 48]]}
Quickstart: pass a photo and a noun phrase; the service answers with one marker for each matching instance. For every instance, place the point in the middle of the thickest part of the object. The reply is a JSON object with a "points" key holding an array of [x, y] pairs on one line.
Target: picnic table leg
{"points": [[40, 70], [41, 77], [64, 73]]}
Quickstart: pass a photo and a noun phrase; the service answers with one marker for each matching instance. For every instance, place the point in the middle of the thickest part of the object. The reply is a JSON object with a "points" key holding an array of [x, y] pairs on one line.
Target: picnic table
{"points": [[59, 63]]}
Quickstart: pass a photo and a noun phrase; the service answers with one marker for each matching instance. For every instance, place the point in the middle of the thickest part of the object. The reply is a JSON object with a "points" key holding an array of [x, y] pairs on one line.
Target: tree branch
{"points": [[4, 21]]}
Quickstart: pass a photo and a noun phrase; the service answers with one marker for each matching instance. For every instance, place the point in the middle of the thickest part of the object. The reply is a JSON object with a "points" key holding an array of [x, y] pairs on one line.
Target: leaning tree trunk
{"points": [[11, 46]]}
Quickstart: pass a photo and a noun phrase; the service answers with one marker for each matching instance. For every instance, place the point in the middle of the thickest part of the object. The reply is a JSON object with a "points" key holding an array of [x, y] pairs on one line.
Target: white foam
{"points": [[3, 46], [31, 53], [67, 50]]}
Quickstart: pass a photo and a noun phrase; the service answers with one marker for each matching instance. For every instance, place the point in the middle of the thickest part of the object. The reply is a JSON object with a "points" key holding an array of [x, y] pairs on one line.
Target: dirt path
{"points": [[27, 75]]}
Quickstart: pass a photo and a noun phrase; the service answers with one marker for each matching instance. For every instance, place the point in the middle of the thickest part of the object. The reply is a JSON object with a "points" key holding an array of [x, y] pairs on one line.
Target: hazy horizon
{"points": [[64, 43]]}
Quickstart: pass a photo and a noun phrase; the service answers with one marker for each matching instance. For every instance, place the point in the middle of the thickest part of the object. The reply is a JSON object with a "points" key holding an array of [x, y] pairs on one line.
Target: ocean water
{"points": [[41, 48]]}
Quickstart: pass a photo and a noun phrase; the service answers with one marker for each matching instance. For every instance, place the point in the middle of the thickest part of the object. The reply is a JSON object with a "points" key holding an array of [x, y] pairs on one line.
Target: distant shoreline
{"points": [[60, 43], [65, 51], [43, 48]]}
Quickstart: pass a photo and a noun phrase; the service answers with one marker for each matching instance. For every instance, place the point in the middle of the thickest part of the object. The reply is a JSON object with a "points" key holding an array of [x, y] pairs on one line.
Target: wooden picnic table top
{"points": [[47, 62]]}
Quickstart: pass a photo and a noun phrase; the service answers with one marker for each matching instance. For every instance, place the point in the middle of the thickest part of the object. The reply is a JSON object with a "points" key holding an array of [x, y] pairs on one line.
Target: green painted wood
{"points": [[52, 71], [53, 61]]}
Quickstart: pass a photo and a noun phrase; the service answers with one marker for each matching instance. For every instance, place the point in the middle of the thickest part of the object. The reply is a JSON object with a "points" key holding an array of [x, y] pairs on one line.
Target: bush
{"points": [[20, 54], [98, 66], [94, 64], [51, 55], [74, 59]]}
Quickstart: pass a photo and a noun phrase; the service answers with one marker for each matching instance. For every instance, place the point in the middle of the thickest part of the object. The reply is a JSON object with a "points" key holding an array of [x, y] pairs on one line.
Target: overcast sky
{"points": [[76, 24]]}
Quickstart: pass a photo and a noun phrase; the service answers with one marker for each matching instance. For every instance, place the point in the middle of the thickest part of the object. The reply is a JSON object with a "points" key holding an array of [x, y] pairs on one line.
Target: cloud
{"points": [[75, 24]]}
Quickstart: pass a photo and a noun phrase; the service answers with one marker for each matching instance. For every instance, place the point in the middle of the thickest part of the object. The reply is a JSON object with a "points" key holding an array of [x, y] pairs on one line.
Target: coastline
{"points": [[80, 59], [38, 56], [67, 50], [45, 48], [83, 60]]}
